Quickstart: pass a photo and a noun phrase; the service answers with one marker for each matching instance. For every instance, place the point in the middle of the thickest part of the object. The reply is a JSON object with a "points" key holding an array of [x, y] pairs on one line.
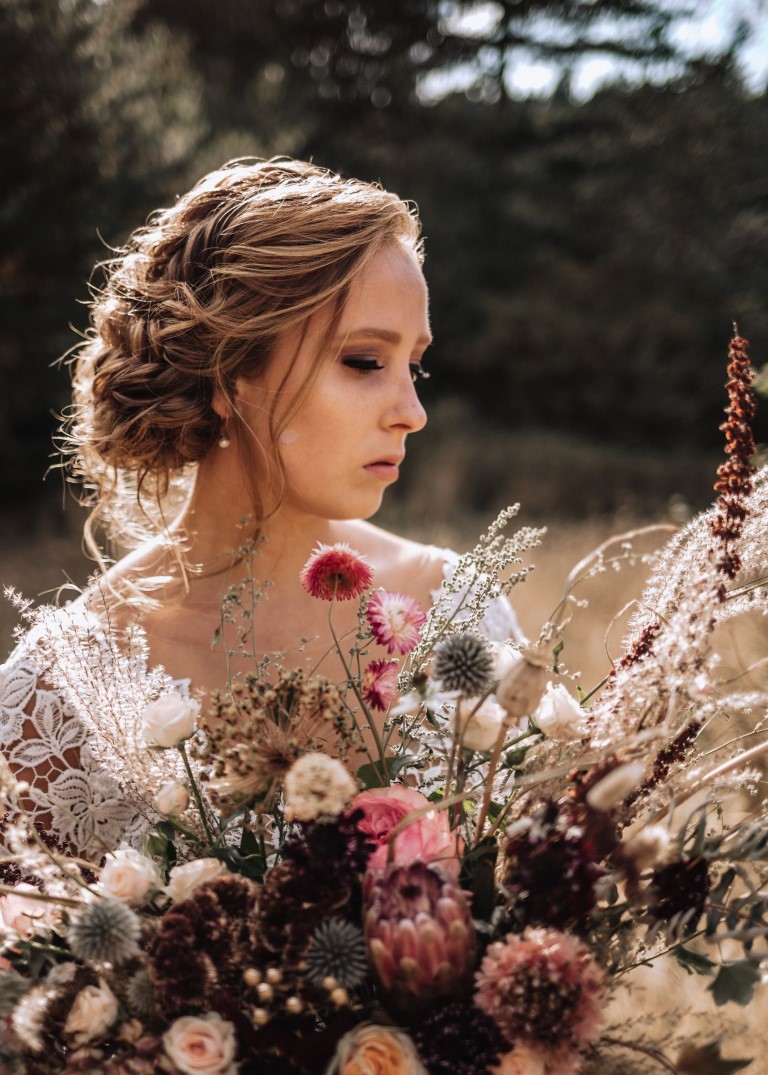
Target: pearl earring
{"points": [[224, 440]]}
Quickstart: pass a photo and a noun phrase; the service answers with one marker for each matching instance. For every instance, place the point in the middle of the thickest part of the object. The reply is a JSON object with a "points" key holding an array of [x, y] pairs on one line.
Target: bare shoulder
{"points": [[399, 564]]}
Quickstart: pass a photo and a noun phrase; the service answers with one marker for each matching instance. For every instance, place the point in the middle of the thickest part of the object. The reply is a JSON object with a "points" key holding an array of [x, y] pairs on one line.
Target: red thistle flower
{"points": [[544, 990], [734, 477], [395, 621], [379, 685], [336, 572]]}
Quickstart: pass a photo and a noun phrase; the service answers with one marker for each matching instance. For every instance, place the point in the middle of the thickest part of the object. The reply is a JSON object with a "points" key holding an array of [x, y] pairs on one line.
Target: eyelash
{"points": [[371, 365]]}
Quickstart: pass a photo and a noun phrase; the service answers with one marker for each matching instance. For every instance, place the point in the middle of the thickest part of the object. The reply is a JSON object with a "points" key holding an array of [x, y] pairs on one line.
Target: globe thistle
{"points": [[140, 993], [12, 989], [464, 663], [337, 950], [105, 931], [459, 1039], [544, 990]]}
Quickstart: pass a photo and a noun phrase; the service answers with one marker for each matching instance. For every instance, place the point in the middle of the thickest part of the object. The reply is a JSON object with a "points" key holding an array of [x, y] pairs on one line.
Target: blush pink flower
{"points": [[428, 839], [336, 572], [379, 684], [545, 992], [395, 621]]}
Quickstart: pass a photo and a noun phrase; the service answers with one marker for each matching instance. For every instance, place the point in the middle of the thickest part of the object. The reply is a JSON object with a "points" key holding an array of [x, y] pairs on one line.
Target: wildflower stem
{"points": [[11, 890], [353, 684], [647, 1050], [182, 749]]}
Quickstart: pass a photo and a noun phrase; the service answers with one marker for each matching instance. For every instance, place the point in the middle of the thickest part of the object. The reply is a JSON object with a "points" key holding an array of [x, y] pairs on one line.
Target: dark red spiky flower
{"points": [[734, 476]]}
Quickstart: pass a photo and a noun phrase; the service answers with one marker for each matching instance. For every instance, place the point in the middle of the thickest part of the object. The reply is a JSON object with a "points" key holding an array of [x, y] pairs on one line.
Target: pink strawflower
{"points": [[395, 621], [428, 839], [544, 990], [336, 572], [379, 685]]}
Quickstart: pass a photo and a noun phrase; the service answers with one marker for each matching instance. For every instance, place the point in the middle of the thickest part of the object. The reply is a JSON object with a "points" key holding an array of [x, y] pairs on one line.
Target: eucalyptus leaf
{"points": [[706, 1060], [735, 981], [694, 962]]}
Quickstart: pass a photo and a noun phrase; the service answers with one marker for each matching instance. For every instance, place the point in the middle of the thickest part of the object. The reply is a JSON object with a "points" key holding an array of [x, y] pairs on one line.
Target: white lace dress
{"points": [[62, 689]]}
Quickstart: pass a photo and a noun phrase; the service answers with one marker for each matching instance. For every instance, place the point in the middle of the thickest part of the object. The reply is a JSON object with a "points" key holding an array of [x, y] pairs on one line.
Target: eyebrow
{"points": [[380, 334]]}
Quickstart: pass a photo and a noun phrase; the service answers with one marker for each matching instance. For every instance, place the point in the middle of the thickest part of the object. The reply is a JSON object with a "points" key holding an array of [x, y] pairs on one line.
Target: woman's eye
{"points": [[361, 364]]}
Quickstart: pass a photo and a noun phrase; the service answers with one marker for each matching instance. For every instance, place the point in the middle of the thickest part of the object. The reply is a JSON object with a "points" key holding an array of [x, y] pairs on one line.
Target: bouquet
{"points": [[447, 863]]}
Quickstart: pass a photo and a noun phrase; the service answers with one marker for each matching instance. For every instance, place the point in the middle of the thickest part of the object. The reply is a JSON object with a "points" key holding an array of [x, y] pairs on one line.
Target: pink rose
{"points": [[428, 839]]}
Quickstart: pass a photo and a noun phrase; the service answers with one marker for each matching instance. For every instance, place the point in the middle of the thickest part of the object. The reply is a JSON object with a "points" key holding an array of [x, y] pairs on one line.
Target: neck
{"points": [[219, 519]]}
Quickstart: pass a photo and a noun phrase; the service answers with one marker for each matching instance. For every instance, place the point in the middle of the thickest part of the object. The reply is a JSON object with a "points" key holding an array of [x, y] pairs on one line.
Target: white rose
{"points": [[202, 1045], [615, 787], [130, 877], [559, 715], [480, 729], [169, 720], [185, 879], [92, 1014], [522, 685], [505, 657], [171, 800]]}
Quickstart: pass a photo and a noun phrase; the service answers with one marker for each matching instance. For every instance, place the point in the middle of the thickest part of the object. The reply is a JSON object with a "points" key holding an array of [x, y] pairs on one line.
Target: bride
{"points": [[254, 358]]}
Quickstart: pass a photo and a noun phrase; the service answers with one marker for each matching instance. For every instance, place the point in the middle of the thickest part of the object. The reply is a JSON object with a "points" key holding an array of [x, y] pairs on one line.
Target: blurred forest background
{"points": [[592, 181]]}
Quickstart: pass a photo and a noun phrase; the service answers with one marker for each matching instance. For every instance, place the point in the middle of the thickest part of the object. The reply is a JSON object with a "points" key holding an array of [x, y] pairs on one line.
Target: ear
{"points": [[221, 404]]}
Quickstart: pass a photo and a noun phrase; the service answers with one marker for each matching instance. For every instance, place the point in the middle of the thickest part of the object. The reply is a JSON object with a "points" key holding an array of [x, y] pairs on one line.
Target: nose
{"points": [[406, 411]]}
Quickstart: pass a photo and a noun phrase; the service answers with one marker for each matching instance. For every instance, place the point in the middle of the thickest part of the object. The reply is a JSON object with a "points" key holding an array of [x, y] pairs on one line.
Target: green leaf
{"points": [[706, 1060], [694, 962], [370, 775], [735, 981]]}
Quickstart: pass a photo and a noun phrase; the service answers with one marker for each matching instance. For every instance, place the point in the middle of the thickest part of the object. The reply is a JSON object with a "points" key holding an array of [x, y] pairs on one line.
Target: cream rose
{"points": [[559, 715], [202, 1045], [479, 727], [169, 720], [171, 800], [377, 1050], [92, 1014], [185, 879], [130, 877]]}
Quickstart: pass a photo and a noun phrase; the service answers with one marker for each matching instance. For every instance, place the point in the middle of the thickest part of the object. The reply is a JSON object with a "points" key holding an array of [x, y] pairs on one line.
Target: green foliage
{"points": [[585, 261], [735, 981]]}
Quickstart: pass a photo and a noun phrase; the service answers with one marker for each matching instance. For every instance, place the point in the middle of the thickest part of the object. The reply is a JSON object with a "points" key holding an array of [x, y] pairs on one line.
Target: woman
{"points": [[254, 359]]}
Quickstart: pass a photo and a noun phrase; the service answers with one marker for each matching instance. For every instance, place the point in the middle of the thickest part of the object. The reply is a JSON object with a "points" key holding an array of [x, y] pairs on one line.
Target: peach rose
{"points": [[92, 1013], [202, 1045], [428, 839], [520, 1061], [377, 1050]]}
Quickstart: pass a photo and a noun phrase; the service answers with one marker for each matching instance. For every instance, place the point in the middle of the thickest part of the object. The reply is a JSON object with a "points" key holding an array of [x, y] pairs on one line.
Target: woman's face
{"points": [[344, 445]]}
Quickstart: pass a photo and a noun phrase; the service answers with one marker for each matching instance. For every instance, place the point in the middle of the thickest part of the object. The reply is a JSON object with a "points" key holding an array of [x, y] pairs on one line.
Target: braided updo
{"points": [[198, 298]]}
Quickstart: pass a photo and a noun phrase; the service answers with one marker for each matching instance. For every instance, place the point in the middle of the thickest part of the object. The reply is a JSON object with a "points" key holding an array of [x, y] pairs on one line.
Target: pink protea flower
{"points": [[395, 621], [544, 989], [428, 839], [379, 684], [336, 572], [420, 937]]}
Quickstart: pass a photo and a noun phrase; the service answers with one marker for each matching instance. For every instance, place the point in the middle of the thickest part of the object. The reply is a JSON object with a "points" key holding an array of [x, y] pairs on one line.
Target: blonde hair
{"points": [[198, 298]]}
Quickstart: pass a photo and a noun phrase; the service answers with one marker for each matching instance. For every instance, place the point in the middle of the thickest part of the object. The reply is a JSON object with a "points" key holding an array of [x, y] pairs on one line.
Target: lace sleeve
{"points": [[500, 622], [71, 800]]}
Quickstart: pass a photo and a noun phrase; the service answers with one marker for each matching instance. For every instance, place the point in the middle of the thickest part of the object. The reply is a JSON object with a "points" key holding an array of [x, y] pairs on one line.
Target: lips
{"points": [[386, 460]]}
